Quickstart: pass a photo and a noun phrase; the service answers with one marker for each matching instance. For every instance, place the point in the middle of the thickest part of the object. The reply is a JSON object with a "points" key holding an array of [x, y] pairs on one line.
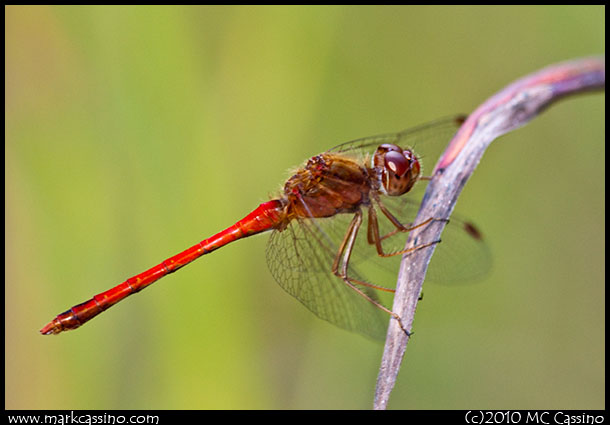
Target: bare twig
{"points": [[509, 109]]}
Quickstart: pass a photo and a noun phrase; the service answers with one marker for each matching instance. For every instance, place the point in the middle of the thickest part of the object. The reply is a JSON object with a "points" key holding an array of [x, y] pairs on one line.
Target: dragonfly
{"points": [[338, 227]]}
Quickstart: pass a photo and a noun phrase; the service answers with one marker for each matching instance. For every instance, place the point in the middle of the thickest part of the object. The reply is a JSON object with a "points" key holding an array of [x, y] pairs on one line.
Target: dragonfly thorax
{"points": [[329, 184]]}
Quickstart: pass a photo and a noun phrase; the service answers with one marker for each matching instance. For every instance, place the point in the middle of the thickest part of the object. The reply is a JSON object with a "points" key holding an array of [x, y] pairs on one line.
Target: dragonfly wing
{"points": [[300, 259], [427, 140], [462, 256]]}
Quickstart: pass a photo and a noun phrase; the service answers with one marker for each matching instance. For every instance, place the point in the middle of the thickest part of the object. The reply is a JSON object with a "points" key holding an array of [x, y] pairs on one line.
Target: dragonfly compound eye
{"points": [[400, 171], [396, 162]]}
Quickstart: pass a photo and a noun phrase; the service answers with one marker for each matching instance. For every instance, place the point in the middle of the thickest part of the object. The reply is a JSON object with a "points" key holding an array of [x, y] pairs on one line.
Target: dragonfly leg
{"points": [[376, 239], [345, 250], [399, 227], [351, 233]]}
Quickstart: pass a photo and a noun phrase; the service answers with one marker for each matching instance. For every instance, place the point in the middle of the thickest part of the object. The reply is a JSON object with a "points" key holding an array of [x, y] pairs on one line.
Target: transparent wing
{"points": [[300, 259], [427, 140], [462, 256]]}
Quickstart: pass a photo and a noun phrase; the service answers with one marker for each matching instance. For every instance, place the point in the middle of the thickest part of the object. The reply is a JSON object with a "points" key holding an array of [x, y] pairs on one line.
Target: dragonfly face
{"points": [[397, 169]]}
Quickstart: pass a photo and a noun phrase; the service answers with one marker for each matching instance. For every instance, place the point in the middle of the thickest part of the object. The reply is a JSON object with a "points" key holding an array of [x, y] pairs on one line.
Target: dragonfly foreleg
{"points": [[375, 239]]}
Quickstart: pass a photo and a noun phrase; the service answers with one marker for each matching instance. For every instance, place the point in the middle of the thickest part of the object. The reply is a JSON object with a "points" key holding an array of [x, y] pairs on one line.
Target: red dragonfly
{"points": [[316, 252]]}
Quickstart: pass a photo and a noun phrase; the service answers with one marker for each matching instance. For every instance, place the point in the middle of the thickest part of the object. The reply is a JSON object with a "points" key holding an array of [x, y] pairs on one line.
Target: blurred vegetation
{"points": [[134, 132]]}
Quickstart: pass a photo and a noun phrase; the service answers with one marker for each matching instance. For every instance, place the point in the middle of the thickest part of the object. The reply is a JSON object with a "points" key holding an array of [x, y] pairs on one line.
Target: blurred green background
{"points": [[134, 132]]}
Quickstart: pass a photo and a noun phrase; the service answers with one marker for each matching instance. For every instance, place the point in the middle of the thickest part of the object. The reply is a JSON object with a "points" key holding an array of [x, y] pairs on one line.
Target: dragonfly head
{"points": [[397, 169]]}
